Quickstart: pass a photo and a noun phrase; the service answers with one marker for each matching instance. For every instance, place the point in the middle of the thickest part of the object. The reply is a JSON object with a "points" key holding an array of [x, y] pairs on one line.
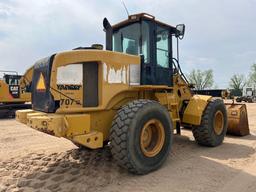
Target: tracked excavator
{"points": [[15, 92], [132, 96]]}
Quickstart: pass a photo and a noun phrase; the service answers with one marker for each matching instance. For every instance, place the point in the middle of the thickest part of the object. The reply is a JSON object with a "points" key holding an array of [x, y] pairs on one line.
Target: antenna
{"points": [[122, 1]]}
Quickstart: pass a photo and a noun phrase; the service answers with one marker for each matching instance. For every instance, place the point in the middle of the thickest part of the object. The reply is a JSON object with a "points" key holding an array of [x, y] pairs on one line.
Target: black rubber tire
{"points": [[125, 135], [249, 100], [205, 134], [239, 100]]}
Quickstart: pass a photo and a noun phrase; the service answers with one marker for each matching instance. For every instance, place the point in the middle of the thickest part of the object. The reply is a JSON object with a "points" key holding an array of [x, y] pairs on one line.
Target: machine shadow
{"points": [[247, 137], [235, 150]]}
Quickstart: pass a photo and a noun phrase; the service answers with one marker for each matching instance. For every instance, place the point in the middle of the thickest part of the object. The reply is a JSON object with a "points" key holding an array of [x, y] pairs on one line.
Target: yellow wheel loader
{"points": [[15, 92], [132, 96]]}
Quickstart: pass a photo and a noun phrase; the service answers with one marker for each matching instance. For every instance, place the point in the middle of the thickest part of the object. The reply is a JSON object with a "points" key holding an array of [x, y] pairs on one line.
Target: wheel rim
{"points": [[152, 138], [218, 122]]}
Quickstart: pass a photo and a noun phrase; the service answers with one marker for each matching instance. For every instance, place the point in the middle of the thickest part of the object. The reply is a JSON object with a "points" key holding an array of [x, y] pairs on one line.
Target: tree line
{"points": [[203, 79]]}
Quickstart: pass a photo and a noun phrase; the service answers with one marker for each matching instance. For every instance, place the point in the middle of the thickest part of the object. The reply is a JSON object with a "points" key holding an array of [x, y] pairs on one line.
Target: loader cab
{"points": [[142, 35]]}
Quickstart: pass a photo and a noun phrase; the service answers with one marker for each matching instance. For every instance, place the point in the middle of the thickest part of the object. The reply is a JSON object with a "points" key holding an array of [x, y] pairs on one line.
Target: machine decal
{"points": [[112, 75], [41, 84], [66, 101], [69, 87], [14, 90]]}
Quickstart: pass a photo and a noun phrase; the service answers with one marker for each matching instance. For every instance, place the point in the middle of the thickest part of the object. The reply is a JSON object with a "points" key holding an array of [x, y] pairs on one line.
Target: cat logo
{"points": [[41, 84]]}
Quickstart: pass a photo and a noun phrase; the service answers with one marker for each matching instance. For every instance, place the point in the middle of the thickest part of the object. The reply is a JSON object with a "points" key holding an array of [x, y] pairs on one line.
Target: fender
{"points": [[195, 108]]}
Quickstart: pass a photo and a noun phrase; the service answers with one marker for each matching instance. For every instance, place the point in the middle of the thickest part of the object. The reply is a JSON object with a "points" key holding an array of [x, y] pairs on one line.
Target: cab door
{"points": [[163, 53]]}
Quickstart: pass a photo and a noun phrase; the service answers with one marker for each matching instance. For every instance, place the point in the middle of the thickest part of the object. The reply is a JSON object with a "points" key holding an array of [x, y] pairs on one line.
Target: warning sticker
{"points": [[41, 83]]}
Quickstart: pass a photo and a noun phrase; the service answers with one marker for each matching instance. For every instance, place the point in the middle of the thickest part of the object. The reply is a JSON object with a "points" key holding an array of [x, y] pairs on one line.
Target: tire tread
{"points": [[119, 134], [201, 133]]}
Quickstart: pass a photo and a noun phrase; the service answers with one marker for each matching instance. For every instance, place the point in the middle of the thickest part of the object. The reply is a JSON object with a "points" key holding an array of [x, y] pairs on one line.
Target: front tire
{"points": [[213, 126], [141, 136]]}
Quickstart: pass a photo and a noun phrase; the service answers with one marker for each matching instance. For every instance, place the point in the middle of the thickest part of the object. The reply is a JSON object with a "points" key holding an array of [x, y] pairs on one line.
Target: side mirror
{"points": [[180, 31]]}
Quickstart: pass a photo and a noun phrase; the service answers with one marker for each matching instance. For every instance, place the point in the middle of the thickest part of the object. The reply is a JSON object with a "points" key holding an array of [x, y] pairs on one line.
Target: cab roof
{"points": [[138, 17]]}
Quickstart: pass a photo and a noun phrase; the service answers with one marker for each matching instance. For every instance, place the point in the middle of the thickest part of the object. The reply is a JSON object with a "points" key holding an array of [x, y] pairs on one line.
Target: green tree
{"points": [[237, 83], [201, 79]]}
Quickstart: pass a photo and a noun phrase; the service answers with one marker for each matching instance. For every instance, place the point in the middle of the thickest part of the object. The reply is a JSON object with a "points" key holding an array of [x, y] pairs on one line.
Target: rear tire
{"points": [[213, 126], [141, 136]]}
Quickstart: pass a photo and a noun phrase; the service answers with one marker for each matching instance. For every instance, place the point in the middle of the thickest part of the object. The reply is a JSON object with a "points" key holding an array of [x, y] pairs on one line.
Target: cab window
{"points": [[133, 39], [10, 80], [145, 41], [162, 47], [126, 39]]}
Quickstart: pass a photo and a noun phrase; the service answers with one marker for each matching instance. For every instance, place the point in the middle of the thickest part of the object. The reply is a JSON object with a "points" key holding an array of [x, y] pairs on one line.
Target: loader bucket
{"points": [[237, 119]]}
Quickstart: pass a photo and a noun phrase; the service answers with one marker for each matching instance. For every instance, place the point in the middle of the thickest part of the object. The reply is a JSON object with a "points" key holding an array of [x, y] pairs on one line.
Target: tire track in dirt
{"points": [[74, 170]]}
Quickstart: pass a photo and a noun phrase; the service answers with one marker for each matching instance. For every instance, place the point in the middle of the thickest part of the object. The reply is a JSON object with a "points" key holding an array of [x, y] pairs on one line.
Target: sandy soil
{"points": [[33, 161]]}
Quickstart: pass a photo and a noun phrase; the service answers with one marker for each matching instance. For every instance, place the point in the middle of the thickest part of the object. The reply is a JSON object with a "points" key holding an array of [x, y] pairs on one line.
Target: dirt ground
{"points": [[33, 161]]}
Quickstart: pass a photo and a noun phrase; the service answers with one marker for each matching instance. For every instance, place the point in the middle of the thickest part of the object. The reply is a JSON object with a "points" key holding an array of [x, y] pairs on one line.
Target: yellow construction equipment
{"points": [[133, 95], [15, 92]]}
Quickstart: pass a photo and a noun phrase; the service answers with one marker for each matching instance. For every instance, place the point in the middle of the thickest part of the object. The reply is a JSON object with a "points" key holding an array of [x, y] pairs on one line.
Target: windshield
{"points": [[12, 80], [127, 40]]}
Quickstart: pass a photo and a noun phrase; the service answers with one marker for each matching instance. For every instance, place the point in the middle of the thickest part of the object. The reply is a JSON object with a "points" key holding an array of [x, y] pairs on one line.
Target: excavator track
{"points": [[8, 110]]}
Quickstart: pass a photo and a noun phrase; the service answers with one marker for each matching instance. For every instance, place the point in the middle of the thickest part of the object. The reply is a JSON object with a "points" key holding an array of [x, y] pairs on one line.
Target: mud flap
{"points": [[237, 119]]}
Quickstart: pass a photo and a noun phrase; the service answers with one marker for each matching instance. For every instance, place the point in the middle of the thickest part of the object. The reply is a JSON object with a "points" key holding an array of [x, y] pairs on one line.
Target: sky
{"points": [[220, 34]]}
